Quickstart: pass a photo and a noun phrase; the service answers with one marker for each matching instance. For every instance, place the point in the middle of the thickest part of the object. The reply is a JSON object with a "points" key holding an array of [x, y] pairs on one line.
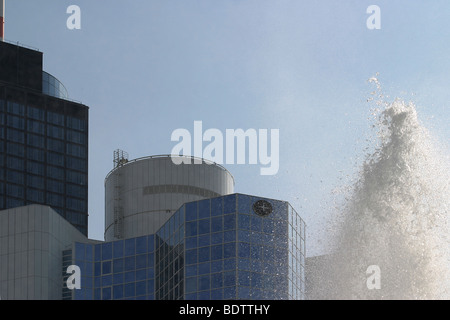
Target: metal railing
{"points": [[169, 156]]}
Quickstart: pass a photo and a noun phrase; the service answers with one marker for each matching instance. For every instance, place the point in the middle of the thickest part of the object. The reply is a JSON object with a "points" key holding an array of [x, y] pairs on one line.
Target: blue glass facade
{"points": [[219, 248], [53, 87], [122, 269]]}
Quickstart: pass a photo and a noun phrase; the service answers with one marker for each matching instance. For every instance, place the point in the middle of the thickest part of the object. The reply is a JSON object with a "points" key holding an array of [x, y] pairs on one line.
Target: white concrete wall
{"points": [[32, 239], [146, 213]]}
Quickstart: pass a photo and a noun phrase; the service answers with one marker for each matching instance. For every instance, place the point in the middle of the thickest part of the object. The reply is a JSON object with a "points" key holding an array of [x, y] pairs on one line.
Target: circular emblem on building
{"points": [[262, 208]]}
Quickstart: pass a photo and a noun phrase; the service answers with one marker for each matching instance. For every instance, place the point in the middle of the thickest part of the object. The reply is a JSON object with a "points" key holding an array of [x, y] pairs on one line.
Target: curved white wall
{"points": [[153, 188]]}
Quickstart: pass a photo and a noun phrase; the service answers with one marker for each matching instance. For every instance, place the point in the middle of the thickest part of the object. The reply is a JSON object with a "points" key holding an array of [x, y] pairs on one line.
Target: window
{"points": [[204, 240], [229, 278], [191, 270], [191, 211], [55, 200], [141, 288], [14, 191], [130, 247], [75, 123], [13, 203], [216, 206], [55, 145], [244, 250], [76, 137], [75, 177], [76, 191], [217, 294], [15, 163], [35, 181], [106, 267], [35, 196], [76, 218], [106, 251], [217, 252], [76, 150], [204, 209], [55, 118], [257, 223], [35, 113], [106, 293], [216, 280], [204, 283], [117, 248], [35, 168], [217, 238], [35, 154], [191, 256], [15, 149], [75, 204], [141, 245], [76, 164], [118, 292], [244, 204], [191, 284], [204, 254], [229, 204], [55, 132], [15, 135], [244, 221], [55, 159], [55, 186], [229, 222], [16, 108], [191, 229], [229, 250], [36, 141], [130, 263], [129, 290], [15, 122], [58, 173], [141, 261], [203, 226], [14, 177], [118, 265]]}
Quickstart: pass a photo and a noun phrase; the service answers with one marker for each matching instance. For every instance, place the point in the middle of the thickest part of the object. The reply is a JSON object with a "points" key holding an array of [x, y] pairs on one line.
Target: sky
{"points": [[148, 67]]}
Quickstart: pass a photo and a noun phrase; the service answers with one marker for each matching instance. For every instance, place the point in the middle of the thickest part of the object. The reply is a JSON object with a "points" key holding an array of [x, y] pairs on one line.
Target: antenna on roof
{"points": [[2, 20]]}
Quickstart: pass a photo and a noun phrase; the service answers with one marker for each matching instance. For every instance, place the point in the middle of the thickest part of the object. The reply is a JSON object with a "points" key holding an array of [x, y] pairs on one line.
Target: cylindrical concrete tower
{"points": [[142, 194]]}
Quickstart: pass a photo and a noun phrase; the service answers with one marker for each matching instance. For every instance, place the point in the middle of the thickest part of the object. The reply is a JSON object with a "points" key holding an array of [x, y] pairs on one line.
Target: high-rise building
{"points": [[43, 139], [172, 231], [230, 247], [186, 235]]}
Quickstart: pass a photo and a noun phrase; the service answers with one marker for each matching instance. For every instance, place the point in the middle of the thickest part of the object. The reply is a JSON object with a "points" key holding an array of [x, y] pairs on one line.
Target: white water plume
{"points": [[396, 217]]}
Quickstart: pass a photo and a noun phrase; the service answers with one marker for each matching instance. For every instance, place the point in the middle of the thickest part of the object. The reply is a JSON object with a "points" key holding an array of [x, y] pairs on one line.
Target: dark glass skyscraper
{"points": [[43, 139]]}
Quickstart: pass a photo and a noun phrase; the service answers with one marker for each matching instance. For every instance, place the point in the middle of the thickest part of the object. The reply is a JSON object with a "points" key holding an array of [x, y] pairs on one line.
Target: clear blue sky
{"points": [[146, 68]]}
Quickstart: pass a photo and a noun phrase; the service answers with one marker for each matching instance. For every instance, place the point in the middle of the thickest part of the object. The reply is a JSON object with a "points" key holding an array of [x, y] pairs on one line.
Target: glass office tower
{"points": [[230, 247], [43, 139]]}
